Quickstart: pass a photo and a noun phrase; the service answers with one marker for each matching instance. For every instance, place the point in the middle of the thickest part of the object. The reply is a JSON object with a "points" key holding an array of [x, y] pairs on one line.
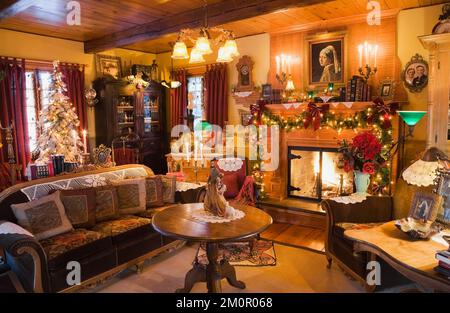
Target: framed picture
{"points": [[326, 59], [424, 206], [267, 91], [443, 189], [387, 89], [415, 74], [246, 117], [108, 66]]}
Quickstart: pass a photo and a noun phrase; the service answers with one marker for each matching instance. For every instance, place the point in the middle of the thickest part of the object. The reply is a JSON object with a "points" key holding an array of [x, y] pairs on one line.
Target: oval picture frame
{"points": [[415, 74]]}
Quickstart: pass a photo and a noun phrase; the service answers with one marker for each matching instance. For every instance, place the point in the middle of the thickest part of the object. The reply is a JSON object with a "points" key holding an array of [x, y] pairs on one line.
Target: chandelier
{"points": [[202, 43]]}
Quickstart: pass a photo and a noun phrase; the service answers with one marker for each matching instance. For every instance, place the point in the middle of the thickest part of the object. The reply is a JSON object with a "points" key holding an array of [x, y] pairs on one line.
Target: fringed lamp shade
{"points": [[423, 171]]}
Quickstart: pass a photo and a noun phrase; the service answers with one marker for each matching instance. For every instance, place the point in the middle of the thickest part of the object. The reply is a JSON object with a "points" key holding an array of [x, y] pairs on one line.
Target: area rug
{"points": [[241, 254]]}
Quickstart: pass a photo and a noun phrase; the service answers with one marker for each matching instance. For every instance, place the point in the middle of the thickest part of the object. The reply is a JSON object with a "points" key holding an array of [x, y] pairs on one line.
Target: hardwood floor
{"points": [[297, 236]]}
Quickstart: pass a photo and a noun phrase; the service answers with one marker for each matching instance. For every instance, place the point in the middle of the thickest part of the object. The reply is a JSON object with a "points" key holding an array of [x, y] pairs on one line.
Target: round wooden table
{"points": [[177, 222]]}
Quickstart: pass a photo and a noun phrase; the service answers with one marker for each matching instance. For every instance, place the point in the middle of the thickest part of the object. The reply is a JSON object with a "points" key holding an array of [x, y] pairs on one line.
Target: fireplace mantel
{"points": [[276, 181]]}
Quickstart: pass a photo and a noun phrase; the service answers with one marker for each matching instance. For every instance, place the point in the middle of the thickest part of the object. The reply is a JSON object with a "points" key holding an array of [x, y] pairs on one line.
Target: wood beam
{"points": [[11, 8], [218, 14]]}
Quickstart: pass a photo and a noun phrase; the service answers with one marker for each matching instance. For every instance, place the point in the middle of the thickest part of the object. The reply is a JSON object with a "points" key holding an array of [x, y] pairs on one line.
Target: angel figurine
{"points": [[215, 202]]}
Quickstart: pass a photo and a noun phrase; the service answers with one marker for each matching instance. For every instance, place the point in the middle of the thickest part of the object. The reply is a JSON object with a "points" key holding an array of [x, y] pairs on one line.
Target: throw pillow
{"points": [[131, 195], [106, 203], [169, 188], [231, 181], [80, 206], [44, 217], [154, 192]]}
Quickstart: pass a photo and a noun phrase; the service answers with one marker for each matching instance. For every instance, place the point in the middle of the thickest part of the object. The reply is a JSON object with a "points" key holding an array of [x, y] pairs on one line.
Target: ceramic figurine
{"points": [[215, 202]]}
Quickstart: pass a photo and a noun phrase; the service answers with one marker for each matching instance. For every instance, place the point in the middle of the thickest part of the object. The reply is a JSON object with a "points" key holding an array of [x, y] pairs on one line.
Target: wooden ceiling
{"points": [[150, 25]]}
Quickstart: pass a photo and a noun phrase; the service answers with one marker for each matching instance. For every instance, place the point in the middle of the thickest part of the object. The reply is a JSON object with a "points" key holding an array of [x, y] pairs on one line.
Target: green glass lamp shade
{"points": [[411, 118]]}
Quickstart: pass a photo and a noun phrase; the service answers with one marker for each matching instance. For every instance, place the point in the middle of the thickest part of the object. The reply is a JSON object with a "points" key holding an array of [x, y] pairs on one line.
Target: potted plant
{"points": [[363, 157]]}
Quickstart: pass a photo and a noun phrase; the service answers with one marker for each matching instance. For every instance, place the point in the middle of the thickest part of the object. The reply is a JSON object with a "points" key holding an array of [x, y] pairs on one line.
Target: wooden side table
{"points": [[177, 222]]}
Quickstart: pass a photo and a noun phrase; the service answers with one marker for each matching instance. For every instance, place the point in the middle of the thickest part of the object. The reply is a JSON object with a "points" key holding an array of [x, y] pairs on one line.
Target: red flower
{"points": [[369, 168]]}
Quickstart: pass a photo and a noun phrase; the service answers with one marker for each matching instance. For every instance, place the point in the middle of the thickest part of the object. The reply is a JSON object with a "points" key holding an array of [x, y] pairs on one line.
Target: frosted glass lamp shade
{"points": [[231, 46], [196, 57], [202, 45], [223, 55], [180, 51]]}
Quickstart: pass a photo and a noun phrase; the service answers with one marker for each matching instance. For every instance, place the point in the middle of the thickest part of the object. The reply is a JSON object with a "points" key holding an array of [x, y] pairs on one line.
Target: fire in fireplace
{"points": [[313, 173]]}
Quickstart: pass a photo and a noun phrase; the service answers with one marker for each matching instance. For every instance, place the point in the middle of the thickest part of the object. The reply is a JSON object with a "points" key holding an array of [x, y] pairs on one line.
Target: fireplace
{"points": [[313, 173]]}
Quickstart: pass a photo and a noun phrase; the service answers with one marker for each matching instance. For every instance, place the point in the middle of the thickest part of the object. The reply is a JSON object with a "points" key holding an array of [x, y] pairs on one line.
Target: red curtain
{"points": [[178, 98], [73, 76], [13, 108], [216, 96]]}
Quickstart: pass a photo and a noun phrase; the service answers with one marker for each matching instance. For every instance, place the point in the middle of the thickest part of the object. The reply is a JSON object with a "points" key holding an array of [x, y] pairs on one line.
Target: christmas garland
{"points": [[377, 117]]}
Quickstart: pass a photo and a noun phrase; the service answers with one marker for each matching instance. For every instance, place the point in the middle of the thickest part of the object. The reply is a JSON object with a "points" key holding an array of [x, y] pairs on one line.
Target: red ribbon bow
{"points": [[314, 114], [256, 110]]}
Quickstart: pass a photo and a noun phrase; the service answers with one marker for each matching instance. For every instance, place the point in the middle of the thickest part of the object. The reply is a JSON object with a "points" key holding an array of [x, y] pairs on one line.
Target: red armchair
{"points": [[240, 187]]}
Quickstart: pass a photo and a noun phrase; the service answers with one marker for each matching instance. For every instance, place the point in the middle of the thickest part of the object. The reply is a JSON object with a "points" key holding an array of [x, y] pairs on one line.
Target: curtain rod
{"points": [[196, 67], [41, 61]]}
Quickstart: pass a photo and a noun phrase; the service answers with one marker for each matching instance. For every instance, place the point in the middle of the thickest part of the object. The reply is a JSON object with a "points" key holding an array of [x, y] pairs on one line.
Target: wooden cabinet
{"points": [[122, 108], [438, 89]]}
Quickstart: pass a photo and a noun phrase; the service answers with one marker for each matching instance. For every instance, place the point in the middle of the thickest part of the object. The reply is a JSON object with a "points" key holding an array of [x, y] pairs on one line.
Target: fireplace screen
{"points": [[313, 173]]}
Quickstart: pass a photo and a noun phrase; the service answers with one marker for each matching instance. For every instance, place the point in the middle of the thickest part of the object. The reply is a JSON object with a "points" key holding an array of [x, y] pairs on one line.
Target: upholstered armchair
{"points": [[240, 187]]}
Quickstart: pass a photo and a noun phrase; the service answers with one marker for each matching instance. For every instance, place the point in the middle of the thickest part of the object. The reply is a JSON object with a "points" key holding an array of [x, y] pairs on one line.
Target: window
{"points": [[196, 97], [37, 85]]}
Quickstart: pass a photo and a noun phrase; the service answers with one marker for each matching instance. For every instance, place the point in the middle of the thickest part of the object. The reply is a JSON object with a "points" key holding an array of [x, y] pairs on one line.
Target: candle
{"points": [[186, 148], [289, 64], [375, 56], [85, 141], [283, 63], [360, 53], [277, 58], [366, 53]]}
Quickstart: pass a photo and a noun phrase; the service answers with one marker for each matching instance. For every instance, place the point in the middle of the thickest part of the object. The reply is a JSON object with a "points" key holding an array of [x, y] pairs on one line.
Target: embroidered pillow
{"points": [[106, 203], [131, 195], [169, 188], [44, 217], [80, 206], [154, 192]]}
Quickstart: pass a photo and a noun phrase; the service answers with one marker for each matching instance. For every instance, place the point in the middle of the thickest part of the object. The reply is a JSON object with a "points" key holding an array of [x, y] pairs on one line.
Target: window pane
{"points": [[195, 96], [31, 110]]}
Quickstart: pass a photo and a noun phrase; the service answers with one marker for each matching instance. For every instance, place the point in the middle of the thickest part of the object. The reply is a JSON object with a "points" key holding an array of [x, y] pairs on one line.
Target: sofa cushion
{"points": [[126, 227], [154, 191], [231, 181], [169, 187], [79, 205], [60, 244], [131, 194], [340, 228], [151, 212], [44, 217], [107, 203]]}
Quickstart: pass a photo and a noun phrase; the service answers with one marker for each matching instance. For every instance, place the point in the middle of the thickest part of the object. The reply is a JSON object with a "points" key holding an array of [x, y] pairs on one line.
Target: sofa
{"points": [[102, 250]]}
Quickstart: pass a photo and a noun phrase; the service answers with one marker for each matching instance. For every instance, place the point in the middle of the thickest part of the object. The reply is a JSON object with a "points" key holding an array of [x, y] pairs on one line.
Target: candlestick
{"points": [[360, 53], [186, 148], [366, 52], [375, 56], [85, 140]]}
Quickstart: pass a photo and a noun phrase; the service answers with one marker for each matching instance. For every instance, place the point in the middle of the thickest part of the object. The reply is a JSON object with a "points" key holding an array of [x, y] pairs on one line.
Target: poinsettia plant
{"points": [[362, 154]]}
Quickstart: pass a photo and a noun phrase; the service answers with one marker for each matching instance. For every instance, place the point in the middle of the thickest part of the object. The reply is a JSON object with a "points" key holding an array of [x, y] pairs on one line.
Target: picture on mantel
{"points": [[326, 61]]}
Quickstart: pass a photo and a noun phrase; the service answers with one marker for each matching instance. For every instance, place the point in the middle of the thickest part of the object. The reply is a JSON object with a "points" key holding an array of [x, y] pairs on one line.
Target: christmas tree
{"points": [[59, 124]]}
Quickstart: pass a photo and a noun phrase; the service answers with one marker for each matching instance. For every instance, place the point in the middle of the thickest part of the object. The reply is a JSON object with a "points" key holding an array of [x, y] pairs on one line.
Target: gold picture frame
{"points": [[326, 59], [386, 89], [108, 66], [425, 206]]}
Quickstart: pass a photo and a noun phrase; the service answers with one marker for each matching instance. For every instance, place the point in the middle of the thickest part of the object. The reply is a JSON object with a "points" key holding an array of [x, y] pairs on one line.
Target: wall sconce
{"points": [[283, 71], [369, 52], [411, 118], [90, 95]]}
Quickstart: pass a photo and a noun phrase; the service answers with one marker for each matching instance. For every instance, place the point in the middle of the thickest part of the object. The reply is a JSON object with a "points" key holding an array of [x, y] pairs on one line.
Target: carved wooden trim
{"points": [[37, 279]]}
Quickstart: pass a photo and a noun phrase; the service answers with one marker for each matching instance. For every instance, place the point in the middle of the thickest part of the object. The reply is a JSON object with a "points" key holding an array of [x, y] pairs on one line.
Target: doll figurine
{"points": [[215, 202]]}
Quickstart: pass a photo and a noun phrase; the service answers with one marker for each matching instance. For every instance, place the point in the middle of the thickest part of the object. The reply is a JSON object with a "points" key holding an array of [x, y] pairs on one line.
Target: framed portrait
{"points": [[424, 206], [326, 59], [267, 91], [108, 66], [443, 189], [386, 89], [415, 74]]}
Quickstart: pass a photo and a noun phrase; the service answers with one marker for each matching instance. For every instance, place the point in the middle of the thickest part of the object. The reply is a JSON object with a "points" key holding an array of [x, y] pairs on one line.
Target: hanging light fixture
{"points": [[202, 43], [180, 50], [196, 56]]}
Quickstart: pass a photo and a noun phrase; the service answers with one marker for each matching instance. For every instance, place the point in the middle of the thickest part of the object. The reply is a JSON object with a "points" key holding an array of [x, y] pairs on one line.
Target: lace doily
{"points": [[204, 216], [185, 186], [420, 173], [351, 199], [230, 164]]}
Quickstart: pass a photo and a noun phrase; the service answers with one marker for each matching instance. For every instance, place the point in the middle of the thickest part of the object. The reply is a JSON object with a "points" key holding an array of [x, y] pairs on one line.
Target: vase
{"points": [[362, 181]]}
